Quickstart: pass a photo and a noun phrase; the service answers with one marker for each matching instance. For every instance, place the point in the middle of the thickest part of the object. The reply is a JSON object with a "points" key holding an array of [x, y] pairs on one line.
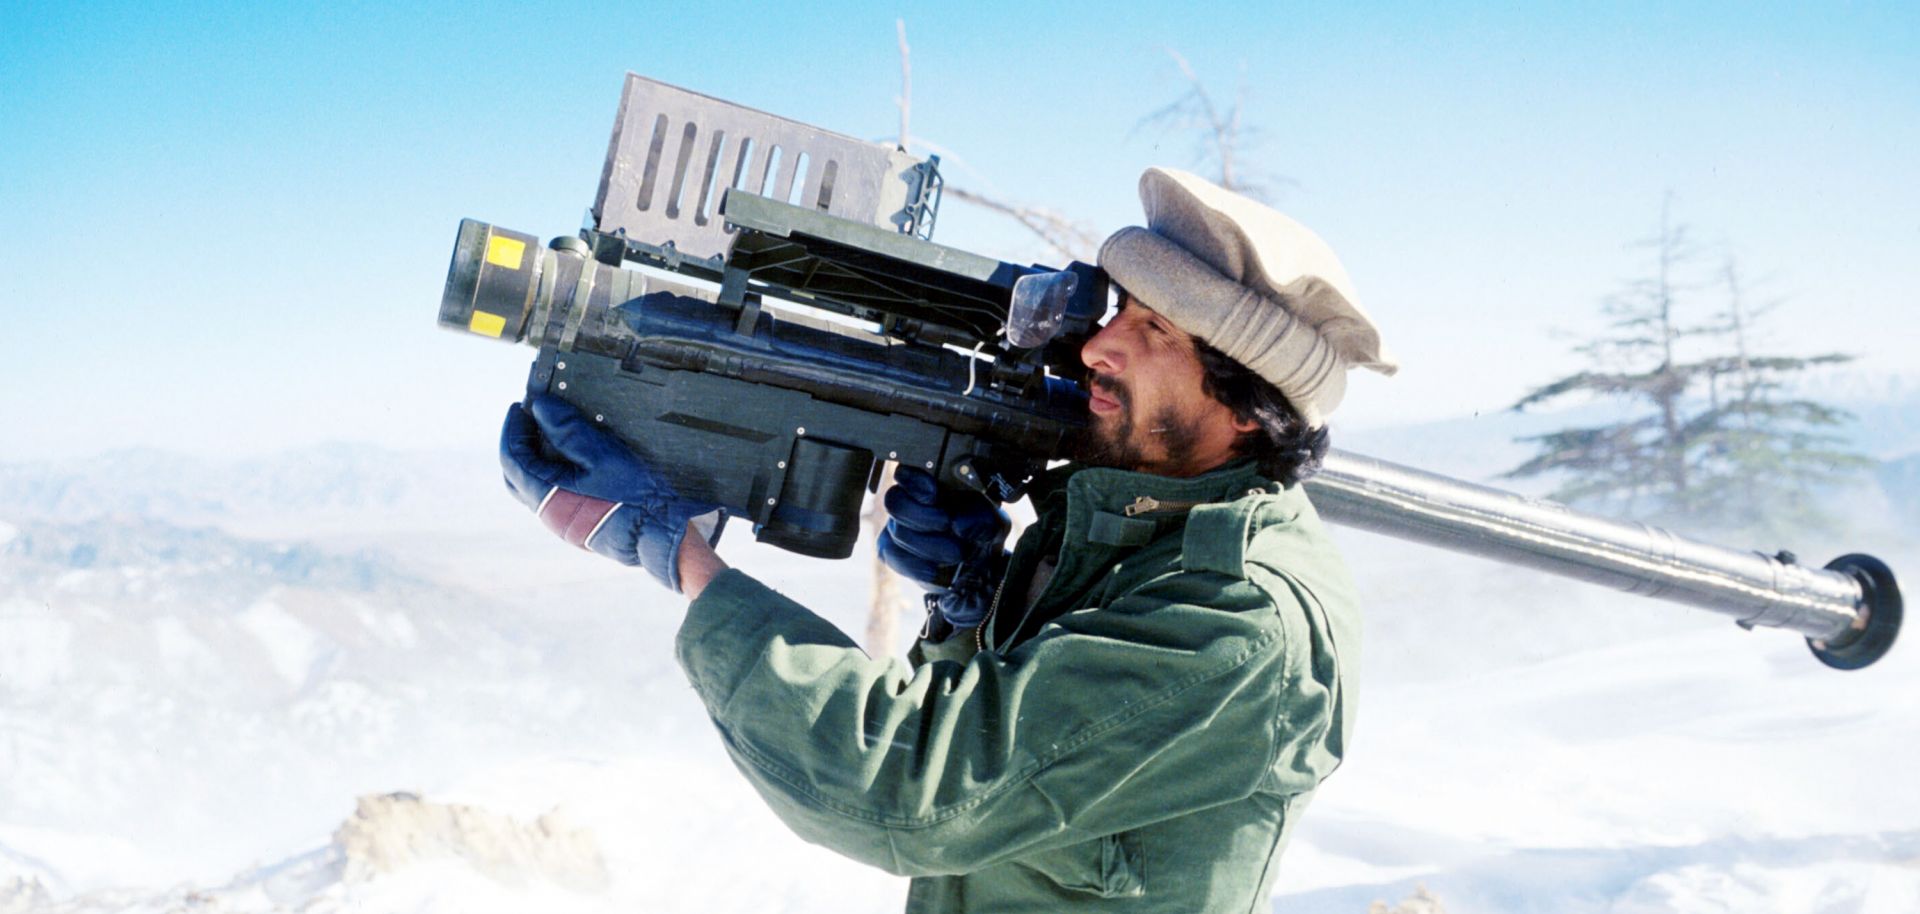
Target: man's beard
{"points": [[1117, 444]]}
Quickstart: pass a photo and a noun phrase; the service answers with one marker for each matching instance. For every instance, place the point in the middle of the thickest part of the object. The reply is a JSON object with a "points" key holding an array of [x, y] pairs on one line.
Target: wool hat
{"points": [[1254, 284]]}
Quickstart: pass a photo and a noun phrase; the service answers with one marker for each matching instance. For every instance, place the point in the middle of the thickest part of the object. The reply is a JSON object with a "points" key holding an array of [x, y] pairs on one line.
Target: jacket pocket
{"points": [[1110, 867]]}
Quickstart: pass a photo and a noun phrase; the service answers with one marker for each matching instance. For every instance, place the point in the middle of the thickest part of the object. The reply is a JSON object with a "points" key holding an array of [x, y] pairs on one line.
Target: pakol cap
{"points": [[1254, 284]]}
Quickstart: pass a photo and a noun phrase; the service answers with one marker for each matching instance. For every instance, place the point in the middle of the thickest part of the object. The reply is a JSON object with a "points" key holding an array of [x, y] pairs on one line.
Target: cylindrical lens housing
{"points": [[493, 282]]}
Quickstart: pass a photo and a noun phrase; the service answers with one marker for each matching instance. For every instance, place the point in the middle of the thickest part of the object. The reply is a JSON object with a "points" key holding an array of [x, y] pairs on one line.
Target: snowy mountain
{"points": [[160, 484], [161, 680]]}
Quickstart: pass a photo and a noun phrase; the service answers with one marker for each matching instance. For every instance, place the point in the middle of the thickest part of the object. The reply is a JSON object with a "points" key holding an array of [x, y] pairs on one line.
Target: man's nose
{"points": [[1102, 352]]}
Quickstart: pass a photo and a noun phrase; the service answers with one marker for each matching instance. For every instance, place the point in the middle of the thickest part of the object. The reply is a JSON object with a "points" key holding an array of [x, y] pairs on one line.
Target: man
{"points": [[1130, 710]]}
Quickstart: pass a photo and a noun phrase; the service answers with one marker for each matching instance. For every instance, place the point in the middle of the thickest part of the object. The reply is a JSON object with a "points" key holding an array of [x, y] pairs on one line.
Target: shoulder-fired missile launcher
{"points": [[757, 307]]}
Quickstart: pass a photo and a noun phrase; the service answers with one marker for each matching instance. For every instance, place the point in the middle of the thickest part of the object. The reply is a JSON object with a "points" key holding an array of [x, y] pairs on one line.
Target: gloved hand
{"points": [[589, 488], [949, 541]]}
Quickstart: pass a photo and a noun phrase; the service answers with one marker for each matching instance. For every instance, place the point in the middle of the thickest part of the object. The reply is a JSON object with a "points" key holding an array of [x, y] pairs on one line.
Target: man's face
{"points": [[1150, 409]]}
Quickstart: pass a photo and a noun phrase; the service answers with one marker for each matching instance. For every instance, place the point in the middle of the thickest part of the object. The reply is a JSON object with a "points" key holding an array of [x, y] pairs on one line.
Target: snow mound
{"points": [[398, 831]]}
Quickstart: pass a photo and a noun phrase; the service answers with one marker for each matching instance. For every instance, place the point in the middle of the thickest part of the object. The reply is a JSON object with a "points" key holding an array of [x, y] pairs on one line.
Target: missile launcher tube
{"points": [[1849, 611]]}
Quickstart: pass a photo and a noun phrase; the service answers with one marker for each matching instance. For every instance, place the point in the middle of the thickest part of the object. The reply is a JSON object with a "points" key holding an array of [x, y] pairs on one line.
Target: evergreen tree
{"points": [[1711, 434], [1767, 456]]}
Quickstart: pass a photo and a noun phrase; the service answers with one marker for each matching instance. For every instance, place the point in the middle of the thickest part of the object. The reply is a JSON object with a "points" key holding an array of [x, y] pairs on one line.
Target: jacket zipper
{"points": [[980, 633], [1147, 504]]}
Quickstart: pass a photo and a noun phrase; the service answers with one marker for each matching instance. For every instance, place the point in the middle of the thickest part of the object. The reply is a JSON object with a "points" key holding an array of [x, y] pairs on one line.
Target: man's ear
{"points": [[1244, 425]]}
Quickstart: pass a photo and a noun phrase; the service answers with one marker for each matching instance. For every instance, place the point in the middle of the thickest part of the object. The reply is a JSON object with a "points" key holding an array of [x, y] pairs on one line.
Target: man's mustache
{"points": [[1111, 387]]}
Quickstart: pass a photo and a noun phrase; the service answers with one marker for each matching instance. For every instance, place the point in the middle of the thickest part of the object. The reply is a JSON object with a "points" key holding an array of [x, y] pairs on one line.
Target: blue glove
{"points": [[589, 488], [949, 541]]}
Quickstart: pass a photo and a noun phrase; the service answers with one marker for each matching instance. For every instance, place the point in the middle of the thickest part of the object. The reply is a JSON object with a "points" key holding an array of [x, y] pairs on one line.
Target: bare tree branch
{"points": [[1071, 239], [1222, 136]]}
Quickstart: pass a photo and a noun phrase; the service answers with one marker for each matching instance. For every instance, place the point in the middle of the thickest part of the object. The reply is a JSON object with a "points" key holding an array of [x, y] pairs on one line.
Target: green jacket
{"points": [[1144, 741]]}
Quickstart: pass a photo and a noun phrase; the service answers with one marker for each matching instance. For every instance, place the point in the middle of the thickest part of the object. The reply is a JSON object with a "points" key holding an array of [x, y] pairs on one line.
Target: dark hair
{"points": [[1282, 445]]}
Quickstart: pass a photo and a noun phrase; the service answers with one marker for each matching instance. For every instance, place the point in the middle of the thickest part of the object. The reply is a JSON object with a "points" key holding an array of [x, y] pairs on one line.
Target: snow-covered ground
{"points": [[1697, 769], [196, 696]]}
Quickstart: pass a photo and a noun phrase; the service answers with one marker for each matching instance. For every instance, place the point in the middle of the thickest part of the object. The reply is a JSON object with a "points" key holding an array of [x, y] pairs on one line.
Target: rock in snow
{"points": [[23, 893], [396, 851], [386, 834]]}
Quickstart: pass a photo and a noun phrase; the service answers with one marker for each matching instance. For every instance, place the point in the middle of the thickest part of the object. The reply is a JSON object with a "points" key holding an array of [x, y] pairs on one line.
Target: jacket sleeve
{"points": [[1177, 696]]}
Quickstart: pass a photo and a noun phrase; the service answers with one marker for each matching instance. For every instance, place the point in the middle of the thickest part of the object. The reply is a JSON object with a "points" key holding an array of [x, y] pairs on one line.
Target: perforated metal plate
{"points": [[674, 152]]}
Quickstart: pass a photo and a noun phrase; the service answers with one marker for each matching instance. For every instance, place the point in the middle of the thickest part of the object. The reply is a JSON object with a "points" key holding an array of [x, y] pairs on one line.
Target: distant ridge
{"points": [[336, 477]]}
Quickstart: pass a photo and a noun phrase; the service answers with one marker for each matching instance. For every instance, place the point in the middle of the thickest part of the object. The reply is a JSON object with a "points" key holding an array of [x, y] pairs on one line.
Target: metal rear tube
{"points": [[1849, 611]]}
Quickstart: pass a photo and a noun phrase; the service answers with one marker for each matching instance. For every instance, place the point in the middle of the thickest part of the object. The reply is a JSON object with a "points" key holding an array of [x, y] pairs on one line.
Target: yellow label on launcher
{"points": [[505, 252], [487, 324]]}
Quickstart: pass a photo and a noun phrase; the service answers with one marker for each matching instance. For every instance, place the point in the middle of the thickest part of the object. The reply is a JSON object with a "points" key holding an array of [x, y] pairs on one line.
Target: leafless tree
{"points": [[1222, 138], [905, 101], [886, 600], [1070, 239]]}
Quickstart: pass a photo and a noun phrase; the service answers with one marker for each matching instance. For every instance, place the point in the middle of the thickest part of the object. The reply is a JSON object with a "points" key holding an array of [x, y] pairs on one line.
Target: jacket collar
{"points": [[1108, 502], [1097, 526]]}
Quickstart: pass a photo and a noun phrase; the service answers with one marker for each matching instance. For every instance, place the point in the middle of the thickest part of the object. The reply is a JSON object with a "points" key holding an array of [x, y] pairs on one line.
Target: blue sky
{"points": [[223, 227]]}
